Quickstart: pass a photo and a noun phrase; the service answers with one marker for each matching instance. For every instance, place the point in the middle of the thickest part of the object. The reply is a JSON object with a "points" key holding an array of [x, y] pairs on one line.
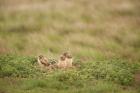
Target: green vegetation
{"points": [[108, 76], [103, 36]]}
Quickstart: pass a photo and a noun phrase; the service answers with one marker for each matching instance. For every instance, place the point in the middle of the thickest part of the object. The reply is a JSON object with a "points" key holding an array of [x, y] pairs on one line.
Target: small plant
{"points": [[112, 70], [17, 66], [116, 70]]}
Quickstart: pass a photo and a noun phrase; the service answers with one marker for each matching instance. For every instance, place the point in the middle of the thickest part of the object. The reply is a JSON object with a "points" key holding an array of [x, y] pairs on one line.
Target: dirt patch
{"points": [[137, 78]]}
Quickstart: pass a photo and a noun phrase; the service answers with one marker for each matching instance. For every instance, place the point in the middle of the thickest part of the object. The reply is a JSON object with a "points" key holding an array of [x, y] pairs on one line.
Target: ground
{"points": [[103, 37]]}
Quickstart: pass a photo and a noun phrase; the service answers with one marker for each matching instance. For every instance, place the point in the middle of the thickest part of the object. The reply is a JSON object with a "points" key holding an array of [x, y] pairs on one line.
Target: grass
{"points": [[103, 36], [22, 74], [41, 86]]}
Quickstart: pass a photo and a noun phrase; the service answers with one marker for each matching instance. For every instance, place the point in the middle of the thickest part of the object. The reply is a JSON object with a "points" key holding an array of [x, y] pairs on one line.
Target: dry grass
{"points": [[91, 29]]}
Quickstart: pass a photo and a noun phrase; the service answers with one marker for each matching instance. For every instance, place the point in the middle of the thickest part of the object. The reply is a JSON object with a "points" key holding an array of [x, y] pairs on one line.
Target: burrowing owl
{"points": [[69, 59], [43, 61], [62, 62]]}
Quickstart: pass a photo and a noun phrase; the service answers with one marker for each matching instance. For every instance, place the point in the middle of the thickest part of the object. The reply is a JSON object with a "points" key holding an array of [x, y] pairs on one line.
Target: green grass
{"points": [[41, 86], [103, 36], [22, 74]]}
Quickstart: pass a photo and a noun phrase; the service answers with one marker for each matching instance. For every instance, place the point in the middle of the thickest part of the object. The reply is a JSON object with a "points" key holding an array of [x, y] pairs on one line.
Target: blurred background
{"points": [[89, 29]]}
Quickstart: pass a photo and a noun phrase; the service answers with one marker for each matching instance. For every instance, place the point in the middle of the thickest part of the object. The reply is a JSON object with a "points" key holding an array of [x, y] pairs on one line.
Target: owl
{"points": [[43, 61]]}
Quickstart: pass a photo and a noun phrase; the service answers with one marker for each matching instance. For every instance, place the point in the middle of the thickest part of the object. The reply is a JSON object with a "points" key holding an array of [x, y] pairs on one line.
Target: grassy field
{"points": [[103, 36]]}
